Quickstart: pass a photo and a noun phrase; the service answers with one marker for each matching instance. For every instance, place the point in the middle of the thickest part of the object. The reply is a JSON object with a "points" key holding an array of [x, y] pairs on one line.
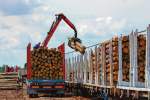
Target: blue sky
{"points": [[24, 21]]}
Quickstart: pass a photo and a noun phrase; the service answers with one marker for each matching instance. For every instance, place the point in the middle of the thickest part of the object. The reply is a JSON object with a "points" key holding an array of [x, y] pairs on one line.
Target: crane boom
{"points": [[54, 26], [73, 42]]}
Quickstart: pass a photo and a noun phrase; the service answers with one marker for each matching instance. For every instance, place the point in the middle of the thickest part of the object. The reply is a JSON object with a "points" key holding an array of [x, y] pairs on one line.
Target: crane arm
{"points": [[55, 24]]}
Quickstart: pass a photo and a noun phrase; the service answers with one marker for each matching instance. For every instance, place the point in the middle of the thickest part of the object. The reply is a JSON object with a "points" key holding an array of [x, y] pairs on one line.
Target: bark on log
{"points": [[46, 64]]}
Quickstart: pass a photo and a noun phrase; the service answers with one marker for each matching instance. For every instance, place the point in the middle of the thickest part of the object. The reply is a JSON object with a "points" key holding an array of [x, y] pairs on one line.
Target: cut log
{"points": [[125, 58], [141, 44], [46, 63]]}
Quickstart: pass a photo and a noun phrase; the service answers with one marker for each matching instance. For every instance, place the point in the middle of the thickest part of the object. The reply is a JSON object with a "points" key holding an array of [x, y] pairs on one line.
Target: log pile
{"points": [[99, 65], [141, 57], [125, 58], [115, 59], [46, 64], [107, 61], [9, 80], [93, 62]]}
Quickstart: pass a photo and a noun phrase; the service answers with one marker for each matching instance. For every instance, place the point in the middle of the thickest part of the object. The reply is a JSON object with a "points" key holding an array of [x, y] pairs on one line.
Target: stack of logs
{"points": [[93, 62], [115, 59], [107, 62], [99, 65], [141, 55], [125, 58], [46, 63]]}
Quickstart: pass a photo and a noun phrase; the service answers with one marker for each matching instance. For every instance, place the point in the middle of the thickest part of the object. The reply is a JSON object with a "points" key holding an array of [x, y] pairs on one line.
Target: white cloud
{"points": [[82, 29], [46, 8], [99, 19], [118, 25], [9, 42], [108, 20], [101, 26], [27, 1], [15, 33], [16, 26]]}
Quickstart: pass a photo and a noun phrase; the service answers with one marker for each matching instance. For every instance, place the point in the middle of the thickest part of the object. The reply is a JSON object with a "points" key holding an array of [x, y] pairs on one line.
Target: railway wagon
{"points": [[118, 68]]}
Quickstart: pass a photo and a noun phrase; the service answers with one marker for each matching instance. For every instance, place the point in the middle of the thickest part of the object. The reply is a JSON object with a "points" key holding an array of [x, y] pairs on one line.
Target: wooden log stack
{"points": [[9, 81], [141, 57], [93, 61], [107, 62], [125, 58], [115, 59], [99, 65], [46, 64]]}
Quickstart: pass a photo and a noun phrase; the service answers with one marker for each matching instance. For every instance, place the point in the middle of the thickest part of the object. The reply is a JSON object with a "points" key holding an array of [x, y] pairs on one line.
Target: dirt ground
{"points": [[21, 95]]}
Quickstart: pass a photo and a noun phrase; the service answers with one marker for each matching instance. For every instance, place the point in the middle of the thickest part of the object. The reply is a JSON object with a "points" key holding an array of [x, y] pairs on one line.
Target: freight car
{"points": [[118, 68]]}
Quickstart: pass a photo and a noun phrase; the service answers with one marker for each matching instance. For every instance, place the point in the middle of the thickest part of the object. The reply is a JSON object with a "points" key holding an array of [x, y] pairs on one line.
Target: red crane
{"points": [[74, 42], [54, 26]]}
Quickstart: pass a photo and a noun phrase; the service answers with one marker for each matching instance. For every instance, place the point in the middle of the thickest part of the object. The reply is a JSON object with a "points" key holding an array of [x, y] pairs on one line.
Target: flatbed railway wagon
{"points": [[117, 68]]}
